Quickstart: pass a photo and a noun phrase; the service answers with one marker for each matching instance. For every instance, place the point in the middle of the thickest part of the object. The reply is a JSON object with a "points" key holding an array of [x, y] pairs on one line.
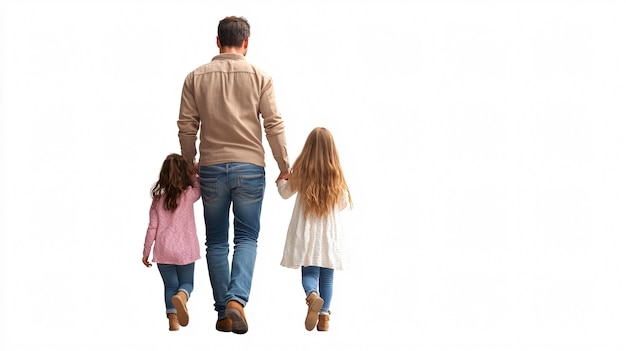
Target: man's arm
{"points": [[274, 128], [188, 121]]}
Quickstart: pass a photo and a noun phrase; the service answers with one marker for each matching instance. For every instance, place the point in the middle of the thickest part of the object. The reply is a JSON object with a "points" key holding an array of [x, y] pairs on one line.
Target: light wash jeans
{"points": [[243, 186], [319, 280], [176, 278]]}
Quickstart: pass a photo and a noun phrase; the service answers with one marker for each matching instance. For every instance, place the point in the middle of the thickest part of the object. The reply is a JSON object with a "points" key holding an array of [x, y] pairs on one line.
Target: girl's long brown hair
{"points": [[173, 180], [317, 175]]}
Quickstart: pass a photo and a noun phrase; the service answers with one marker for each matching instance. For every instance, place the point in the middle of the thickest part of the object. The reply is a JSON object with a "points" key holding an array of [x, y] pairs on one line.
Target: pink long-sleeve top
{"points": [[174, 233]]}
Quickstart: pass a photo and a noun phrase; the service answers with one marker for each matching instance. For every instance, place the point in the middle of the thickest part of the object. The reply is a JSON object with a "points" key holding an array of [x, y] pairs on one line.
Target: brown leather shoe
{"points": [[224, 325], [173, 318], [322, 323], [180, 302], [315, 304], [234, 311]]}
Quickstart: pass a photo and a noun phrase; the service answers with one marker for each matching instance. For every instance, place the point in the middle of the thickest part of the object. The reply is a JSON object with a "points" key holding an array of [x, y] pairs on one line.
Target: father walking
{"points": [[224, 100]]}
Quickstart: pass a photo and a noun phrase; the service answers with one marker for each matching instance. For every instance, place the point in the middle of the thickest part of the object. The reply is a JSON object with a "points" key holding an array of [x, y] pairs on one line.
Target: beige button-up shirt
{"points": [[224, 100]]}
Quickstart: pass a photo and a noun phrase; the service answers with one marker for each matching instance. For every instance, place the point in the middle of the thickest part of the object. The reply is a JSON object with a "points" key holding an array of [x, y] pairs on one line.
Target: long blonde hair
{"points": [[317, 175]]}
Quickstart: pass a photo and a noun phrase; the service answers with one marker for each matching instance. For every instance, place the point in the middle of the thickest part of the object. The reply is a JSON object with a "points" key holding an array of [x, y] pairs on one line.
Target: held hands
{"points": [[193, 169], [283, 175], [146, 262]]}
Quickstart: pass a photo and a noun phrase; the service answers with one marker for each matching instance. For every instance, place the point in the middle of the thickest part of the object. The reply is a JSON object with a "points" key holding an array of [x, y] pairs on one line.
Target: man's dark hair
{"points": [[232, 31]]}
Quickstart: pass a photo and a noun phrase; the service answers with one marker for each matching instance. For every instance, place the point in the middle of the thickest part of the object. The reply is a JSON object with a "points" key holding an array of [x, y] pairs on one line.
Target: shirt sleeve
{"points": [[274, 126], [196, 190], [343, 202], [151, 232], [284, 189], [188, 120]]}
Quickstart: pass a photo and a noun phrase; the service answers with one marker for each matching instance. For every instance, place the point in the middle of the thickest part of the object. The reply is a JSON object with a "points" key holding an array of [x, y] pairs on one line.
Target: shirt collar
{"points": [[229, 56]]}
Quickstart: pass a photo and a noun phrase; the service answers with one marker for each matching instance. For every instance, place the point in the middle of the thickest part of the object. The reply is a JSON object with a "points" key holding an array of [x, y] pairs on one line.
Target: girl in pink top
{"points": [[172, 230]]}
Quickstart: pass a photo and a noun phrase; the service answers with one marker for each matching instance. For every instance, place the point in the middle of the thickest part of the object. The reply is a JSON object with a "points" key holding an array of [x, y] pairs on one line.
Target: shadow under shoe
{"points": [[234, 312], [180, 302], [315, 305]]}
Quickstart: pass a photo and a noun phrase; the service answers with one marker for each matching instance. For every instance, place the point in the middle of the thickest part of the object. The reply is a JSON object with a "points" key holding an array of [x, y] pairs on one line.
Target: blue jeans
{"points": [[243, 186], [319, 280], [176, 278]]}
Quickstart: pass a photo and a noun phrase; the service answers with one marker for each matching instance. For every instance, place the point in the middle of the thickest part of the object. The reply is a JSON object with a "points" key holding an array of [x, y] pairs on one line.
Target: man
{"points": [[223, 100]]}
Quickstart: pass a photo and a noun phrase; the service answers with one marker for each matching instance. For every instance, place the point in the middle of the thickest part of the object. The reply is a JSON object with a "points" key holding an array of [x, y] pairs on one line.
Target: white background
{"points": [[483, 142]]}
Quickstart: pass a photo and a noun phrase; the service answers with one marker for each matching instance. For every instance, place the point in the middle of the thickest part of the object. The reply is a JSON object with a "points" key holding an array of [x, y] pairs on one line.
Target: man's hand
{"points": [[146, 262]]}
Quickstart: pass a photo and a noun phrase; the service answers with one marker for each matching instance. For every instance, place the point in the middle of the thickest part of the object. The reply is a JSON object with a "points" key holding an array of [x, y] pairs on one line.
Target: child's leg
{"points": [[170, 280], [185, 287], [326, 287], [326, 293], [310, 279], [310, 283], [185, 278]]}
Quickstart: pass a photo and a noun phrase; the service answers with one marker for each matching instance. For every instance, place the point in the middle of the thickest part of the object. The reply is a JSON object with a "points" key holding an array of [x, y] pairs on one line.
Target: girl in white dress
{"points": [[315, 242]]}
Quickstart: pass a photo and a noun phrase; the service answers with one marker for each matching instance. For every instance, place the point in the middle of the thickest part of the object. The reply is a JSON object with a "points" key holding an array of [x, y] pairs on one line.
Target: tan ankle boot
{"points": [[234, 312], [315, 304], [173, 318], [224, 325], [180, 302], [322, 323]]}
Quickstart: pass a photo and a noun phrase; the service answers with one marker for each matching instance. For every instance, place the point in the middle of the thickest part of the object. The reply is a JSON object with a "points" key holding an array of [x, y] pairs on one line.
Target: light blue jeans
{"points": [[176, 278], [243, 186], [319, 280]]}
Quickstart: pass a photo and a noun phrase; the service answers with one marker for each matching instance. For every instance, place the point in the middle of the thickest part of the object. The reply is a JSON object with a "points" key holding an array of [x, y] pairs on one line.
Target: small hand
{"points": [[146, 262], [193, 169], [283, 175]]}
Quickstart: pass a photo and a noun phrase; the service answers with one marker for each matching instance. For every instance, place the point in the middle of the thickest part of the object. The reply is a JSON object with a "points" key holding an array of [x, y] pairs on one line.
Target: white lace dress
{"points": [[313, 241]]}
